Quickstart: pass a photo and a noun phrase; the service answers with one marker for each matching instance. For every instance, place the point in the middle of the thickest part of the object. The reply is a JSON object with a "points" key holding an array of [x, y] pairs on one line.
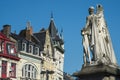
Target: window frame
{"points": [[36, 51], [4, 69], [30, 49], [11, 48], [13, 70], [1, 46], [24, 46], [29, 71]]}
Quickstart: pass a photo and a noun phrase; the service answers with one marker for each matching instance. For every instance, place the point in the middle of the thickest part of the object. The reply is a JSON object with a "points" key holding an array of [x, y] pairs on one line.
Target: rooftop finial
{"points": [[28, 24], [61, 34], [52, 15]]}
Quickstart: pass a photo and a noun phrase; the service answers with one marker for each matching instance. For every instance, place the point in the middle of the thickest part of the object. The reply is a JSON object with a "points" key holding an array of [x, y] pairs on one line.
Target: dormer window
{"points": [[36, 51], [23, 46], [10, 48], [30, 49]]}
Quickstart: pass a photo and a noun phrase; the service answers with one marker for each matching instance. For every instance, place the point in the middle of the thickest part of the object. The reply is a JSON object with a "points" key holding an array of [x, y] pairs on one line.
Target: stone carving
{"points": [[86, 48], [96, 39]]}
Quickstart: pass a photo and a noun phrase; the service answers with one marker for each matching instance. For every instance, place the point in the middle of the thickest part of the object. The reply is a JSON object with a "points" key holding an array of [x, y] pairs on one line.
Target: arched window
{"points": [[29, 71]]}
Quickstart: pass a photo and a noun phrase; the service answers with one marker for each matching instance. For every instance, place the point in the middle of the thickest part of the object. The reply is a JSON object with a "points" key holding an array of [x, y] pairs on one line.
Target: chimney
{"points": [[29, 27], [28, 35], [7, 30], [29, 31]]}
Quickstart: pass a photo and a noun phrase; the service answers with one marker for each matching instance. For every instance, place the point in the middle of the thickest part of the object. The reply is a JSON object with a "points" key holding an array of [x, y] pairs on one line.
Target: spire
{"points": [[51, 15], [61, 34], [52, 29], [28, 25]]}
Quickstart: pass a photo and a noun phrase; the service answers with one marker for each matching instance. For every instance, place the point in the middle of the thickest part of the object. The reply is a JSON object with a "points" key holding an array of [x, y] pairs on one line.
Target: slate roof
{"points": [[34, 41], [52, 29], [54, 32], [22, 33], [33, 38], [41, 37], [16, 37]]}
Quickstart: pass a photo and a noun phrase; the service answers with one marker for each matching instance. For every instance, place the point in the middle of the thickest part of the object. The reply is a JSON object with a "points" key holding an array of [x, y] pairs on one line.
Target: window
{"points": [[29, 71], [60, 63], [13, 70], [4, 69], [36, 51], [23, 46], [30, 49], [10, 49], [1, 46]]}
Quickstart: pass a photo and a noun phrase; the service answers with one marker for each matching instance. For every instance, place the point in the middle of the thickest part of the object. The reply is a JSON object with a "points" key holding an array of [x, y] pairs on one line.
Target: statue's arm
{"points": [[87, 22], [85, 30]]}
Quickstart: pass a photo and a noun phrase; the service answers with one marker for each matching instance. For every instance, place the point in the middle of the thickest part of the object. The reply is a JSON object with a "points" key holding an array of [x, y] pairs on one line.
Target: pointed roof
{"points": [[52, 29]]}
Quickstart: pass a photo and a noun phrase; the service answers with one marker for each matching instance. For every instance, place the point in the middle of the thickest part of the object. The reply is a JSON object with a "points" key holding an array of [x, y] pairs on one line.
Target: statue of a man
{"points": [[92, 32]]}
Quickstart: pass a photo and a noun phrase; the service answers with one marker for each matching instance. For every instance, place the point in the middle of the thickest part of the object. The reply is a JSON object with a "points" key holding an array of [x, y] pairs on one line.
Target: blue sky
{"points": [[69, 15]]}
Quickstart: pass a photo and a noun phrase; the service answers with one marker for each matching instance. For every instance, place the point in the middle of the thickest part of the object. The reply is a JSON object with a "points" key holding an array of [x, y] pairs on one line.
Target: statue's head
{"points": [[91, 10], [99, 8]]}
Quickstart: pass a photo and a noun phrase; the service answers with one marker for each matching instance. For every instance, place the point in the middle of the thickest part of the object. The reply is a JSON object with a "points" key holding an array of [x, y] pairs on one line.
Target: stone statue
{"points": [[89, 29], [85, 41], [96, 38], [105, 43]]}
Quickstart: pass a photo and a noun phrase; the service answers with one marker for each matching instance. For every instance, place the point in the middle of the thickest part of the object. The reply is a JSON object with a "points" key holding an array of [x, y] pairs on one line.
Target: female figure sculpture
{"points": [[104, 38]]}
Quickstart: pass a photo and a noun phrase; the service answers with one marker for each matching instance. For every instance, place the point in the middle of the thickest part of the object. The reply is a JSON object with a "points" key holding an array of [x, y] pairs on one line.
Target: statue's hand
{"points": [[82, 32]]}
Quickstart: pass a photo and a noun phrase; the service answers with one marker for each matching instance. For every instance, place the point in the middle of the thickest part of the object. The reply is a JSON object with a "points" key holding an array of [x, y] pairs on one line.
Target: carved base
{"points": [[98, 72]]}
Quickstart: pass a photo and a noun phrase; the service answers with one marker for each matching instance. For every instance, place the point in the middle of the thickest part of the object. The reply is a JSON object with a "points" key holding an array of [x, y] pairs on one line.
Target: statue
{"points": [[89, 31], [87, 58], [96, 38], [104, 37]]}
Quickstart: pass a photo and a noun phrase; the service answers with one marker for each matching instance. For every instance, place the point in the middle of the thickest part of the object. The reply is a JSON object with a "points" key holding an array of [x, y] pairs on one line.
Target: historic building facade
{"points": [[30, 53], [37, 56], [8, 56], [53, 52], [58, 50]]}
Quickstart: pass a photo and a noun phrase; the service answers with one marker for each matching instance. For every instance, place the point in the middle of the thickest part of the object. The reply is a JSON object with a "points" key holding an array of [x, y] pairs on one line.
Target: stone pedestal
{"points": [[98, 72]]}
